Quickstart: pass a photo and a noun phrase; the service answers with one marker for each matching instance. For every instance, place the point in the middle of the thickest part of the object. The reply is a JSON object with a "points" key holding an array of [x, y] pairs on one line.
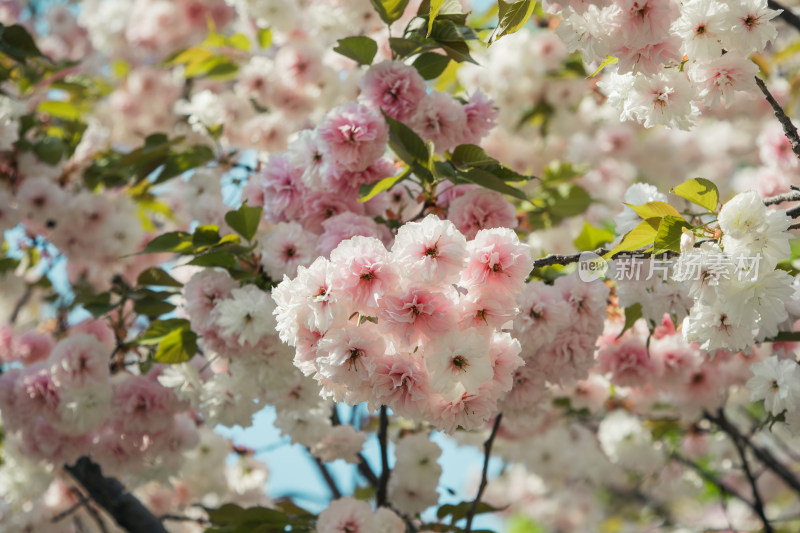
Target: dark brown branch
{"points": [[82, 500], [788, 128], [363, 466], [20, 304], [487, 452], [383, 481], [110, 494], [365, 470], [326, 475], [758, 503], [788, 16], [556, 259]]}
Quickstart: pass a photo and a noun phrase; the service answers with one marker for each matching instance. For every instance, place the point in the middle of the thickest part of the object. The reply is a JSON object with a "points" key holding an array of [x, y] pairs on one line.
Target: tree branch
{"points": [[487, 452], [110, 494], [792, 196], [383, 481], [556, 259], [711, 478], [788, 15], [760, 453], [788, 128], [326, 475]]}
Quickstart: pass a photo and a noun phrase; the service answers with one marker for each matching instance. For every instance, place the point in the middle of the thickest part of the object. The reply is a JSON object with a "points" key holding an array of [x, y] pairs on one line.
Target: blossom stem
{"points": [[487, 452]]}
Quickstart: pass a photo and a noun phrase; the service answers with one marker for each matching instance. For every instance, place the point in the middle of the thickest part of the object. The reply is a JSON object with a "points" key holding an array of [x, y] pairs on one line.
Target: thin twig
{"points": [[787, 16], [383, 481], [487, 452], [758, 503], [20, 304], [760, 453], [82, 500], [711, 478], [326, 475], [788, 128]]}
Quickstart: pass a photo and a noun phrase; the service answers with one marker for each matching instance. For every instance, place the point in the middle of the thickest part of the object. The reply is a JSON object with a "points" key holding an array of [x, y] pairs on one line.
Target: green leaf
{"points": [[50, 150], [632, 314], [205, 236], [506, 174], [609, 60], [219, 68], [447, 35], [559, 171], [178, 346], [639, 237], [405, 47], [16, 42], [157, 277], [459, 511], [214, 259], [654, 209], [360, 49], [244, 220], [262, 515], [264, 38], [436, 5], [59, 109], [511, 17], [523, 524], [96, 304], [406, 144], [159, 329], [670, 231], [225, 515], [240, 42], [471, 155], [569, 200], [7, 264], [390, 10], [369, 191], [591, 237], [180, 162], [699, 191], [174, 241], [430, 64], [785, 336], [152, 307], [490, 181]]}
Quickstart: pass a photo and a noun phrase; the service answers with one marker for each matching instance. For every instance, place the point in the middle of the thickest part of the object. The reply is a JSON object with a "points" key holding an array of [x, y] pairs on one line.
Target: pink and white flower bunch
{"points": [[418, 328]]}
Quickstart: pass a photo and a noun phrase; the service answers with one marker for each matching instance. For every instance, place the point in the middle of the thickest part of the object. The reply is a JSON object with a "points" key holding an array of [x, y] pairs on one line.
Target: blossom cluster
{"points": [[310, 191], [65, 403], [672, 57], [417, 328], [731, 311]]}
